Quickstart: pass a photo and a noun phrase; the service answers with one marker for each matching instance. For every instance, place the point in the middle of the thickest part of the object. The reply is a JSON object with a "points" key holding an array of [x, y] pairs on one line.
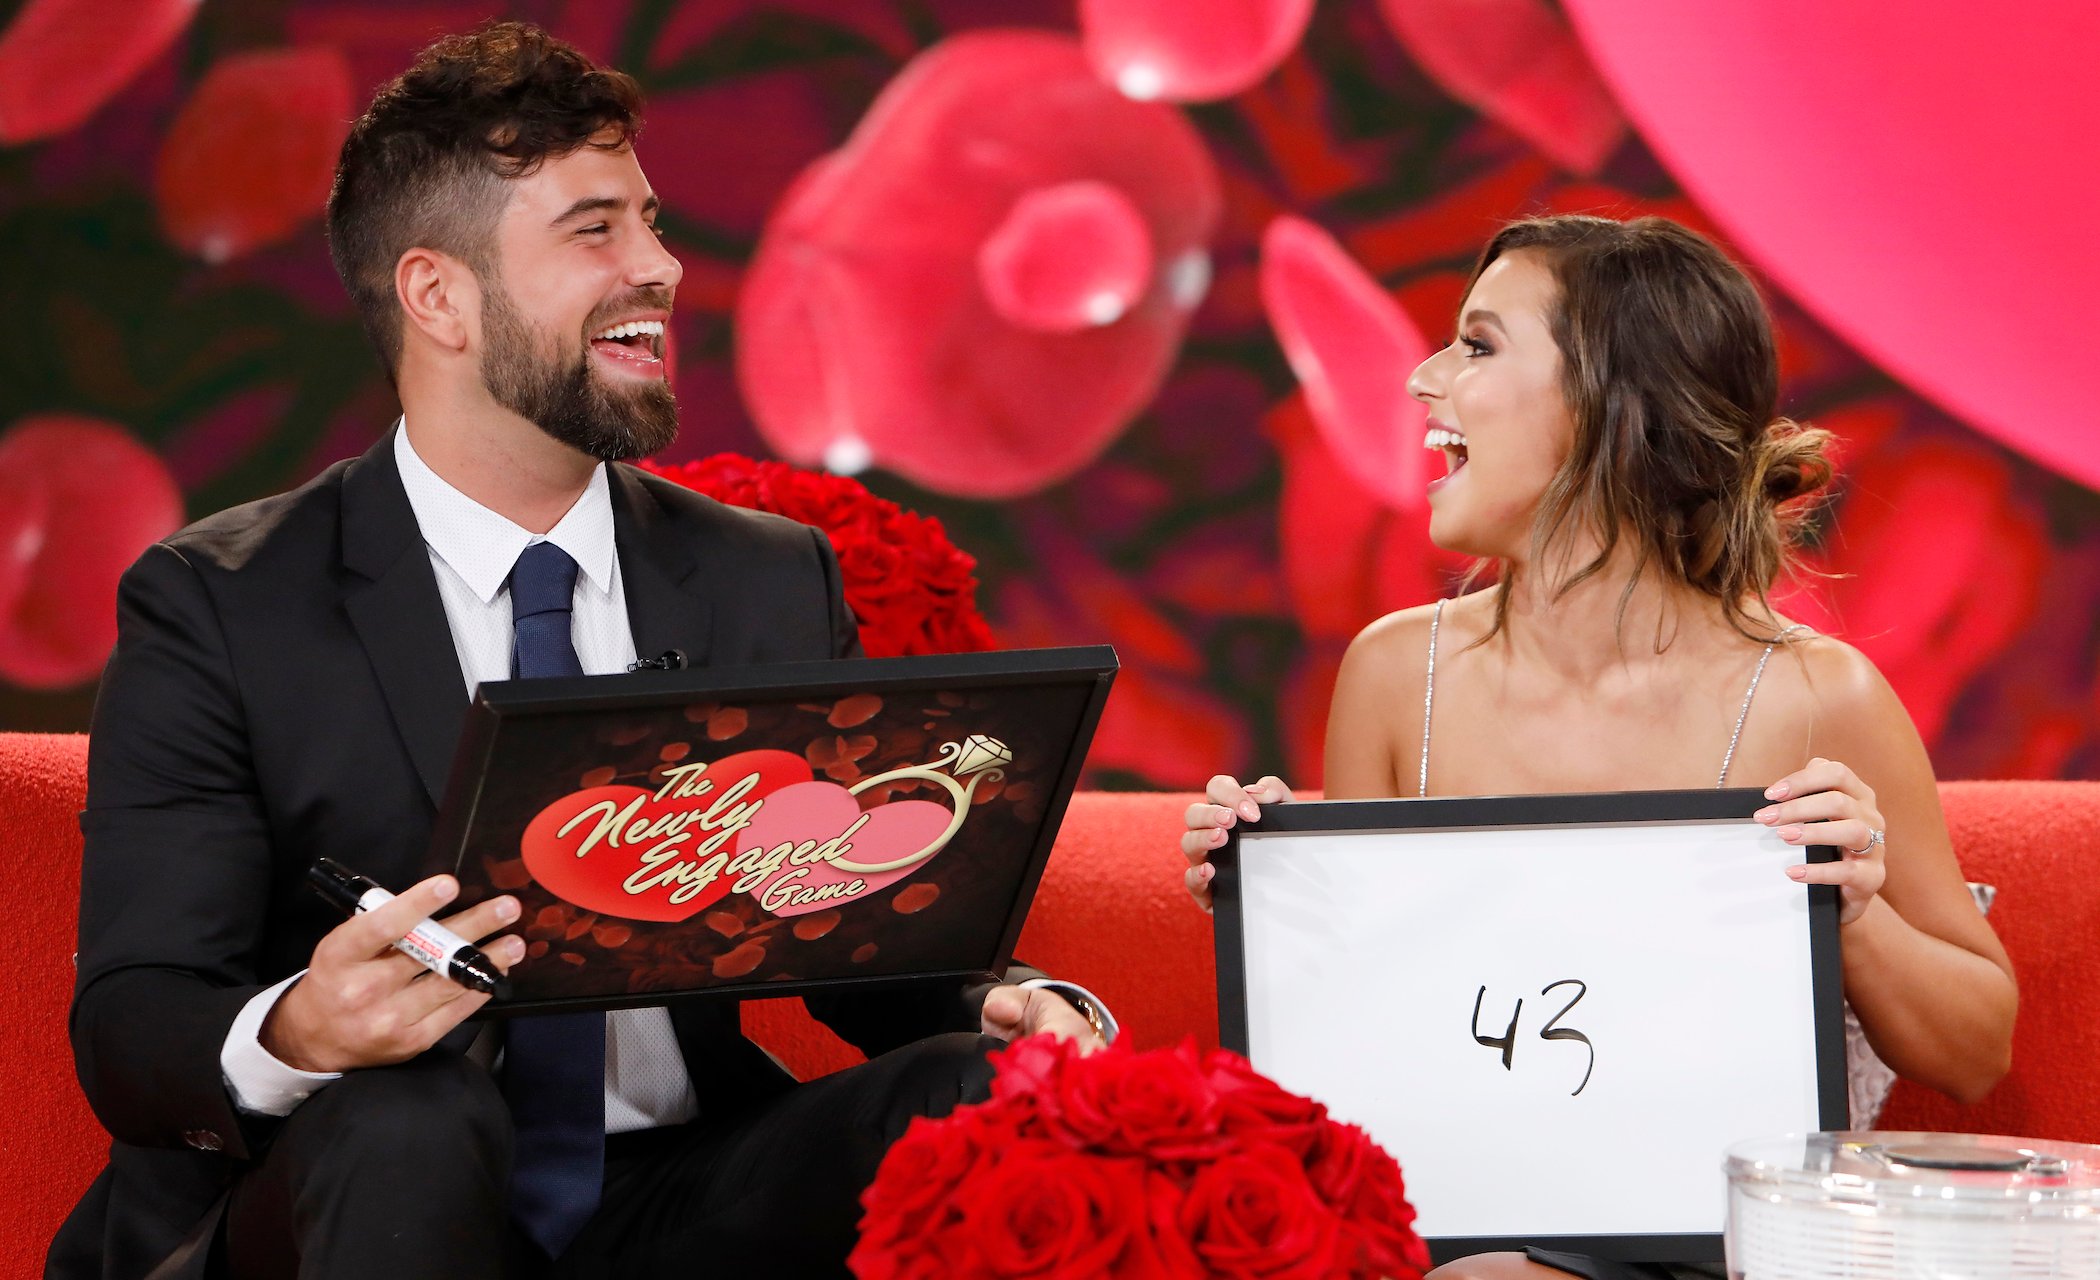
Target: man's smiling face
{"points": [[573, 322]]}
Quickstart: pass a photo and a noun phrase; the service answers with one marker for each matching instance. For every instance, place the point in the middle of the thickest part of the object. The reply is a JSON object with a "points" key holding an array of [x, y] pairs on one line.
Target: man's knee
{"points": [[435, 1110], [934, 1076]]}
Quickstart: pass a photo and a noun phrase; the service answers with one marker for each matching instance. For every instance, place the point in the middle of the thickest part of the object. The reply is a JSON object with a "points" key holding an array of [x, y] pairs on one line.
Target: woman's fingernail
{"points": [[1765, 815], [1777, 791], [1217, 837], [1797, 873], [1790, 834], [1249, 811], [1208, 871], [507, 909]]}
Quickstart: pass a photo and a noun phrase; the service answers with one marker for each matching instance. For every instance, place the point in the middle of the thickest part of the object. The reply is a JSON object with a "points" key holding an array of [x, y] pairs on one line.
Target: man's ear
{"points": [[440, 296]]}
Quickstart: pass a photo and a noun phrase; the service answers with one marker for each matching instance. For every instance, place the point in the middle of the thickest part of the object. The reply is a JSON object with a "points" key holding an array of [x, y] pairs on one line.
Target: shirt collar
{"points": [[482, 546]]}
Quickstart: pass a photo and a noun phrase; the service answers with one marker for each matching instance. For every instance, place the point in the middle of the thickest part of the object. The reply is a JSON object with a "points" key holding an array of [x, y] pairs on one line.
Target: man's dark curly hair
{"points": [[425, 166]]}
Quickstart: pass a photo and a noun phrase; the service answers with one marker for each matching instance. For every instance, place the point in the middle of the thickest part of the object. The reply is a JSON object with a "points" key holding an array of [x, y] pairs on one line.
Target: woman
{"points": [[1608, 417]]}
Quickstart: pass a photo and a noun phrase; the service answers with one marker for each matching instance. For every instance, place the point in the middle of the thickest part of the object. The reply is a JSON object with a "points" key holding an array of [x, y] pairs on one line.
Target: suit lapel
{"points": [[665, 609], [392, 598]]}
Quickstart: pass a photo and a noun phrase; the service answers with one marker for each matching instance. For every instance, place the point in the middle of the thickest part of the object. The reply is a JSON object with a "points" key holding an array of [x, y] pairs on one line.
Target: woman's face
{"points": [[1496, 412]]}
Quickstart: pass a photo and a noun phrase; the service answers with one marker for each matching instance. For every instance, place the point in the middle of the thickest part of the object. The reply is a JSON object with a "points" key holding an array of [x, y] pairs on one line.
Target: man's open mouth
{"points": [[637, 341]]}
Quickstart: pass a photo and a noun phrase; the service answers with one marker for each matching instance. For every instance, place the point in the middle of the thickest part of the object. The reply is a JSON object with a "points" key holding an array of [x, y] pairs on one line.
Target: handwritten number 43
{"points": [[1507, 1041]]}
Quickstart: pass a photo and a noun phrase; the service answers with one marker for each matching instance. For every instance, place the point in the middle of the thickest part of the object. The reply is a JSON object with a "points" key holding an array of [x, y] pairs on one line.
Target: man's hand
{"points": [[1013, 1013], [364, 1004]]}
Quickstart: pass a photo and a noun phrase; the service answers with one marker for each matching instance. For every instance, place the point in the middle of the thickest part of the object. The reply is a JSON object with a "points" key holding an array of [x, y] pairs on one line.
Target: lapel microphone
{"points": [[668, 660]]}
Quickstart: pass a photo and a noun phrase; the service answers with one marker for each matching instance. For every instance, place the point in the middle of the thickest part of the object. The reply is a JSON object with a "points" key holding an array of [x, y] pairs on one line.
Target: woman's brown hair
{"points": [[1672, 378]]}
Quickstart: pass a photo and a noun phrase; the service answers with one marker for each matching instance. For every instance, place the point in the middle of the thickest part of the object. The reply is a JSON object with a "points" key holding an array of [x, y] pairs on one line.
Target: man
{"points": [[287, 1093]]}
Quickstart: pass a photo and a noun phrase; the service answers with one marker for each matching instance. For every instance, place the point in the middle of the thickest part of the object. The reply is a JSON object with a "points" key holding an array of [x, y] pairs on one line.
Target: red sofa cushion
{"points": [[1111, 915]]}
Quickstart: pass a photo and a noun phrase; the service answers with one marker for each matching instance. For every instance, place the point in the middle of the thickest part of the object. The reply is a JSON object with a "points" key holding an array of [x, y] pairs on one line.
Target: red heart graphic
{"points": [[638, 854], [820, 811], [1912, 176]]}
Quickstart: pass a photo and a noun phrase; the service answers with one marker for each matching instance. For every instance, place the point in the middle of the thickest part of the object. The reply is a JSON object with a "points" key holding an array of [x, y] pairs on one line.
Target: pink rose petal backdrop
{"points": [[1124, 293]]}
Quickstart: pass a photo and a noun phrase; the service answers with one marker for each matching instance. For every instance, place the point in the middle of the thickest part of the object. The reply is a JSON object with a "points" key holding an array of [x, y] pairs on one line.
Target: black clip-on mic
{"points": [[668, 660]]}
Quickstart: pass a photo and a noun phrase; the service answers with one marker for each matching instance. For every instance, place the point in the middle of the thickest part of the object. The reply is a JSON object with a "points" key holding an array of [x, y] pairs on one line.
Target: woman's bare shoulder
{"points": [[1835, 675], [1397, 645], [1837, 690], [1406, 631]]}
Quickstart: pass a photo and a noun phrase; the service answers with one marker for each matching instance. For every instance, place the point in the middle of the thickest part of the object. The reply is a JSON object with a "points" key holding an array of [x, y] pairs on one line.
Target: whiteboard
{"points": [[1669, 993]]}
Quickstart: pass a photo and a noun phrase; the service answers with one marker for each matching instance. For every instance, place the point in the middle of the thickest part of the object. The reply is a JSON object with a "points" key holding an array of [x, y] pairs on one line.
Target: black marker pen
{"points": [[431, 944]]}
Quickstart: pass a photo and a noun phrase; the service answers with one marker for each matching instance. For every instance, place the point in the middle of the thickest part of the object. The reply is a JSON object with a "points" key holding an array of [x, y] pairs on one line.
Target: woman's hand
{"points": [[1826, 803], [1228, 803]]}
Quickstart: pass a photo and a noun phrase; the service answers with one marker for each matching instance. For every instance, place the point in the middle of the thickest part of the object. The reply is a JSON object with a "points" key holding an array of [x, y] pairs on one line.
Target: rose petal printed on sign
{"points": [[60, 60], [1189, 52], [1352, 348], [252, 154], [878, 321], [80, 499], [1517, 61]]}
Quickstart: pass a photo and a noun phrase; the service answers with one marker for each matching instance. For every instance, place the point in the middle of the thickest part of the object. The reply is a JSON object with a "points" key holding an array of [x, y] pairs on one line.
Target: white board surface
{"points": [[1366, 953]]}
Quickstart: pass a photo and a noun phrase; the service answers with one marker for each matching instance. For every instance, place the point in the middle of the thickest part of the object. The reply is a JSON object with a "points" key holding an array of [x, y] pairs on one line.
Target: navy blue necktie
{"points": [[553, 1064]]}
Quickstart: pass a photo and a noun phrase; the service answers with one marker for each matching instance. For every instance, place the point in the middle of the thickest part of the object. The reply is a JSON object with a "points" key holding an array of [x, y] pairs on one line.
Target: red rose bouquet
{"points": [[912, 589], [1162, 1164]]}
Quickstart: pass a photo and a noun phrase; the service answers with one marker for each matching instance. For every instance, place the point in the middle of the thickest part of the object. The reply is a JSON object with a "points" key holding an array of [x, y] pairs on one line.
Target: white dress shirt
{"points": [[472, 550]]}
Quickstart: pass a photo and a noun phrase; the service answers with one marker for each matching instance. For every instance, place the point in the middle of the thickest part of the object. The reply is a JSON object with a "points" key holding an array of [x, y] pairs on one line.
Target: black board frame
{"points": [[1597, 809], [496, 703]]}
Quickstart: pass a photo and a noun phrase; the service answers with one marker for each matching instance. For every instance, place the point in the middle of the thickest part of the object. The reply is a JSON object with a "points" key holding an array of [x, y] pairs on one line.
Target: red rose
{"points": [[912, 590], [1027, 1066], [921, 1171], [1254, 1108], [1252, 1215], [1133, 1166], [1155, 1104], [1044, 1209], [1359, 1181]]}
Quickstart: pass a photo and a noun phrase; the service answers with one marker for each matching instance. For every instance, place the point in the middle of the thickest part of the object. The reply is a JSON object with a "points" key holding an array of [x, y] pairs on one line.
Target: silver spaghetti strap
{"points": [[1728, 761], [1436, 618]]}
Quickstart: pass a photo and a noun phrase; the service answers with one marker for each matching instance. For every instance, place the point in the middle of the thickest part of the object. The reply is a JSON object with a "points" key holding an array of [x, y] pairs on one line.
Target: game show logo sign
{"points": [[757, 823]]}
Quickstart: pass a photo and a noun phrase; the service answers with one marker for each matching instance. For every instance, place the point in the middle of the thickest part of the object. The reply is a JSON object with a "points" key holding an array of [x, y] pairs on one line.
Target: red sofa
{"points": [[1111, 915]]}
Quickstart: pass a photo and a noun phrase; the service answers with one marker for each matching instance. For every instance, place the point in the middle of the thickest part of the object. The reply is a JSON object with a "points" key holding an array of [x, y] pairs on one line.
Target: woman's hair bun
{"points": [[1792, 461]]}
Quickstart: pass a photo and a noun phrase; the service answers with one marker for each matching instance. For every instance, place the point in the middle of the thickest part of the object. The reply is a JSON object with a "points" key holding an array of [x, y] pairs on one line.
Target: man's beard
{"points": [[568, 400]]}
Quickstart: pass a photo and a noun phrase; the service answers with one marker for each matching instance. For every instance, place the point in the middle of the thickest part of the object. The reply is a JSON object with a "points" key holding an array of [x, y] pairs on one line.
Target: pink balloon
{"points": [[1189, 52], [1916, 177], [80, 499], [1516, 61], [1352, 348], [988, 281]]}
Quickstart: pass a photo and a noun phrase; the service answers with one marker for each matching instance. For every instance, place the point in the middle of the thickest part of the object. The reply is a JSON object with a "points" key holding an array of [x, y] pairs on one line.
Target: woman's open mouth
{"points": [[637, 346], [1453, 446]]}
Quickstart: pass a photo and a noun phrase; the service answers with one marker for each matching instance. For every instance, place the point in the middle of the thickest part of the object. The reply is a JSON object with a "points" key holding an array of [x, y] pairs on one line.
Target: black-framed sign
{"points": [[1555, 1011], [769, 830]]}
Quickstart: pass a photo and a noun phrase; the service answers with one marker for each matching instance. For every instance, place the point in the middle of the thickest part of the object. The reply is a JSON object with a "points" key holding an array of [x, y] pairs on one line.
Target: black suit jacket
{"points": [[285, 687]]}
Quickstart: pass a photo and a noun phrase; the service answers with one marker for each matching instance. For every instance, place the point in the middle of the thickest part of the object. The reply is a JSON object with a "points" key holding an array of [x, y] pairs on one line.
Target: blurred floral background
{"points": [[1124, 293]]}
